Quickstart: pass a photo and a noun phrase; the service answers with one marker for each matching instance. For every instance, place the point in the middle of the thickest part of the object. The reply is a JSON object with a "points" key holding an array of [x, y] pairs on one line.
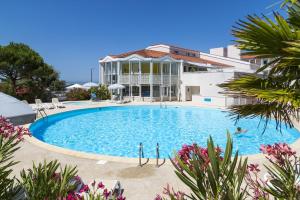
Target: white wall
{"points": [[208, 82], [217, 51], [233, 52]]}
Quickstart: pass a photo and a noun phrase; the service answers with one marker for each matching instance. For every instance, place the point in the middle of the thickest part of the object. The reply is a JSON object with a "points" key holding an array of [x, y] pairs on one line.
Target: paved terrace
{"points": [[138, 182]]}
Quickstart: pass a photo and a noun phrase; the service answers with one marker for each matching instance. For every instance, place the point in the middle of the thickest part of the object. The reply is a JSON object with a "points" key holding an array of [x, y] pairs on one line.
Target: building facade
{"points": [[168, 73]]}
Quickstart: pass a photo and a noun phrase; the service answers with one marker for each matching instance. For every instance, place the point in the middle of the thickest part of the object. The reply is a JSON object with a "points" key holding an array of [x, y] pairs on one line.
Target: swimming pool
{"points": [[117, 131]]}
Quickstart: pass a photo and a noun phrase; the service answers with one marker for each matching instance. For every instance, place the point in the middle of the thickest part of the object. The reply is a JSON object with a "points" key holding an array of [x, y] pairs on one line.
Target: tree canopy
{"points": [[24, 73]]}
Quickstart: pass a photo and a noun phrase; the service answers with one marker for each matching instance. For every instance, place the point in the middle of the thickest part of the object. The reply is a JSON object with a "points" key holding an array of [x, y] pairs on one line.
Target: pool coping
{"points": [[129, 160]]}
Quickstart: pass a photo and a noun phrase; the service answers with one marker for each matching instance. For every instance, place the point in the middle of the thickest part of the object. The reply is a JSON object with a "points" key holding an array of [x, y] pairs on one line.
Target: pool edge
{"points": [[79, 154]]}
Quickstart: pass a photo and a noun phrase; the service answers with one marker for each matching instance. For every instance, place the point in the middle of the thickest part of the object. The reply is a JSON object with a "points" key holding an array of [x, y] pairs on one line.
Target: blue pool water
{"points": [[117, 131]]}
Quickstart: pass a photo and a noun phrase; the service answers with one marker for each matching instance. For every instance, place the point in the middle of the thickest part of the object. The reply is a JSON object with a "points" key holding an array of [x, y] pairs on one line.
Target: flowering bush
{"points": [[210, 175], [282, 180], [49, 181], [96, 191], [77, 94], [207, 173], [10, 137]]}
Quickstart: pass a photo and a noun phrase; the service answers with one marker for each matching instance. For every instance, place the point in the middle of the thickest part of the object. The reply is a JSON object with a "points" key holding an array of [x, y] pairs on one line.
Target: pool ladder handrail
{"points": [[157, 157], [141, 155], [42, 112]]}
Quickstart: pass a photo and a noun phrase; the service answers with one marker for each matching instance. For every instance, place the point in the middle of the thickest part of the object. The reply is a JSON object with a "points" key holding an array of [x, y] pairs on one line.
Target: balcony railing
{"points": [[145, 79]]}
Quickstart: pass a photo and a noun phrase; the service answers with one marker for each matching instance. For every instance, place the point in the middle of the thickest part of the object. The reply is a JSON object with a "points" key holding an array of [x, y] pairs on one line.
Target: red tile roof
{"points": [[158, 54], [248, 56]]}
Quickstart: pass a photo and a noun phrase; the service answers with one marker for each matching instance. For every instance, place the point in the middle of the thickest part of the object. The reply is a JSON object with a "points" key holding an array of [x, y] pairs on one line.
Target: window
{"points": [[166, 68], [125, 68], [173, 90], [114, 79], [185, 68], [114, 68], [156, 68], [174, 69], [126, 90], [107, 68], [156, 91], [135, 91], [145, 91], [145, 67], [135, 67]]}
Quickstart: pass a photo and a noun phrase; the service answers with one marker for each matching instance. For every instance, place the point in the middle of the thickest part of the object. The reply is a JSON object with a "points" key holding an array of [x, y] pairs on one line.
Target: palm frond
{"points": [[276, 99]]}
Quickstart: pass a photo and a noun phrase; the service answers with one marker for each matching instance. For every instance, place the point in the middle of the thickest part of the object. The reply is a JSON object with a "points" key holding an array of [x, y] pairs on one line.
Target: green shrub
{"points": [[48, 181], [77, 94], [102, 92], [208, 174]]}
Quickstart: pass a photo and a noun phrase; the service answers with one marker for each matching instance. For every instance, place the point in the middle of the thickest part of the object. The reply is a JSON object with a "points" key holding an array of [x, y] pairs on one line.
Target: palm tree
{"points": [[278, 92]]}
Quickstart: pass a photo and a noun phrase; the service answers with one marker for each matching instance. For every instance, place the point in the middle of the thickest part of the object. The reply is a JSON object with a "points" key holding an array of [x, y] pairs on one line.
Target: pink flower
{"points": [[106, 193], [84, 188], [100, 185], [121, 198], [253, 168], [8, 130], [158, 197], [278, 152]]}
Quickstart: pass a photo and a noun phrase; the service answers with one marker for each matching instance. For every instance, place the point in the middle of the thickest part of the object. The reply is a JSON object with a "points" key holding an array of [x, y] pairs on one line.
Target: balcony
{"points": [[137, 79]]}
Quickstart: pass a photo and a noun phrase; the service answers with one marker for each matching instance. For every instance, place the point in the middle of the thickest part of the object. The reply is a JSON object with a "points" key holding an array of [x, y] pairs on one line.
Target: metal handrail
{"points": [[157, 156], [141, 155], [42, 113]]}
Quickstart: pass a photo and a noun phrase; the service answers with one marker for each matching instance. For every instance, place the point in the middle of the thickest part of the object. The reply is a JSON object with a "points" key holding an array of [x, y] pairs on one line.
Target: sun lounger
{"points": [[57, 104], [41, 105], [33, 106]]}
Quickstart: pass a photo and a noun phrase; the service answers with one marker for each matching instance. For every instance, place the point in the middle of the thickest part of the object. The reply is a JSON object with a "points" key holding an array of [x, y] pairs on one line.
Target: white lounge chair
{"points": [[33, 106], [57, 104], [41, 105]]}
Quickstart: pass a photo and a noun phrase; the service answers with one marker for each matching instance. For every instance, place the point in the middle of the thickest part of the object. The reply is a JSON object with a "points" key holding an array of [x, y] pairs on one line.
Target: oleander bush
{"points": [[77, 94], [10, 137], [49, 180], [101, 92], [208, 174], [211, 174]]}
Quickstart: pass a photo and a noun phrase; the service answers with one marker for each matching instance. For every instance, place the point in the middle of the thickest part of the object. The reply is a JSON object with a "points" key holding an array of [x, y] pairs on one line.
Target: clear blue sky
{"points": [[72, 35]]}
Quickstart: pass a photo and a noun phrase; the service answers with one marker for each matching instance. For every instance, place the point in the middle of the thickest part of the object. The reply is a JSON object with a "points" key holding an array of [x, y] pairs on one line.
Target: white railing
{"points": [[145, 79]]}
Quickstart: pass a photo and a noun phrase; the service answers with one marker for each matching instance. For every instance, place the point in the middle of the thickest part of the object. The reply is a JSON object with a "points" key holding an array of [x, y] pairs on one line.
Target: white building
{"points": [[169, 73]]}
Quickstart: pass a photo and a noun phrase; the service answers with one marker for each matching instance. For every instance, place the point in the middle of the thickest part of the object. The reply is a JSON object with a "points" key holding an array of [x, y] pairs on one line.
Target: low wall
{"points": [[220, 101]]}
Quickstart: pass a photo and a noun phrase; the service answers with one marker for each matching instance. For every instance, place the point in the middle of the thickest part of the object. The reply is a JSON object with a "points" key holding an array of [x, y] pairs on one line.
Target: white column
{"points": [[130, 86], [151, 80], [178, 80], [161, 81], [182, 89], [118, 72], [140, 79], [100, 74], [170, 82], [111, 73], [104, 73]]}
